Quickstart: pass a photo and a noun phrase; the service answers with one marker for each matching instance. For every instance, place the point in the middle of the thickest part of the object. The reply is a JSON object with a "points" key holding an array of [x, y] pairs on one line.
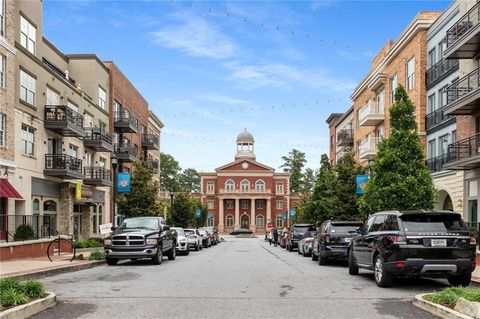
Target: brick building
{"points": [[246, 193], [331, 120]]}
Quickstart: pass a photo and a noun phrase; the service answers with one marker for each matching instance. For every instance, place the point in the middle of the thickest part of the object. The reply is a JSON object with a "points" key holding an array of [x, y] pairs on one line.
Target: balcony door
{"points": [[54, 146], [52, 97]]}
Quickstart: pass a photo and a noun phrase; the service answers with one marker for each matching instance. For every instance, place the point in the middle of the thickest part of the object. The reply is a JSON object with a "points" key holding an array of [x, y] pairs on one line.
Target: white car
{"points": [[194, 238], [183, 247]]}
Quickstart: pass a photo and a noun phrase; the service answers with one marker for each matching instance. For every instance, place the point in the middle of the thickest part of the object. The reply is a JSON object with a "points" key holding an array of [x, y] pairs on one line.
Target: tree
{"points": [[399, 178], [346, 170], [143, 195], [294, 163], [169, 171], [308, 180], [323, 202], [189, 180], [183, 211]]}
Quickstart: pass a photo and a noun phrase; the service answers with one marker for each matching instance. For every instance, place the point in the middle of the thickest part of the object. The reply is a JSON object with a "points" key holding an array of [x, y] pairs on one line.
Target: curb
{"points": [[436, 309], [56, 271], [31, 308]]}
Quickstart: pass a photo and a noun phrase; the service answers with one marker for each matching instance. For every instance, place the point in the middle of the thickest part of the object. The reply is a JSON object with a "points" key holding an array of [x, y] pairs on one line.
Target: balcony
{"points": [[437, 118], [125, 122], [150, 142], [372, 114], [377, 81], [98, 139], [152, 166], [126, 153], [63, 166], [345, 137], [463, 95], [63, 120], [436, 164], [97, 176], [244, 191], [463, 38], [439, 71], [464, 154], [368, 148]]}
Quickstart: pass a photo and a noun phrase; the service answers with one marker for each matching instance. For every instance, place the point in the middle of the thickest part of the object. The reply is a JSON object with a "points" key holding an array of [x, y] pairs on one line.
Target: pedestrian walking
{"points": [[275, 237], [270, 237]]}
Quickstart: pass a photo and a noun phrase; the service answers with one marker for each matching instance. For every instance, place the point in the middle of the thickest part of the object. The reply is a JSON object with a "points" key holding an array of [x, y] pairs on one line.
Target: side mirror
{"points": [[113, 229], [165, 227], [360, 230]]}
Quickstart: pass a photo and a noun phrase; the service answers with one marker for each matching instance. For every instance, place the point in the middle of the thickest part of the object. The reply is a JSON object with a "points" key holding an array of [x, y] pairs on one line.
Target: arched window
{"points": [[49, 206], [229, 185], [260, 221], [230, 221], [260, 186], [245, 185]]}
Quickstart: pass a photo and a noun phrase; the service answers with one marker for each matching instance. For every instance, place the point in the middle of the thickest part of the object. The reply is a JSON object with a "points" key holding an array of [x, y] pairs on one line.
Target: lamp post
{"points": [[171, 203], [114, 162]]}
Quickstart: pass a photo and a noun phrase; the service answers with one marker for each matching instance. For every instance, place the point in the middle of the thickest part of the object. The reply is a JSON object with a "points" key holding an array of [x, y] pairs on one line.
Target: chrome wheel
{"points": [[378, 269]]}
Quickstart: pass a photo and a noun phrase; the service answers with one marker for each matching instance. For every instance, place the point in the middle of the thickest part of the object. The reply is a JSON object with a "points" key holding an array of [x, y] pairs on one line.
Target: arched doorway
{"points": [[447, 203], [244, 222]]}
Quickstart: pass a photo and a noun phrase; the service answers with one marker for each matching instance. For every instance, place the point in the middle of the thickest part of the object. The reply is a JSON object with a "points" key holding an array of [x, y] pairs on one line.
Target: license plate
{"points": [[439, 243], [347, 240]]}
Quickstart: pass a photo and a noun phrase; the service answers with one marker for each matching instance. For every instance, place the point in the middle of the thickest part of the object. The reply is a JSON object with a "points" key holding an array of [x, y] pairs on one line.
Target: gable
{"points": [[240, 165]]}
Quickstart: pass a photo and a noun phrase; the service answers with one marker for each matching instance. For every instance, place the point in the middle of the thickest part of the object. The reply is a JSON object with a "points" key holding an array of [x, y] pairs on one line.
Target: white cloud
{"points": [[194, 36], [222, 99], [355, 56]]}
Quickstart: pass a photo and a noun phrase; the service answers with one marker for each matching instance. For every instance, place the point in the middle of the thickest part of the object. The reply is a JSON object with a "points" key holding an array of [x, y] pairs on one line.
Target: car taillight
{"points": [[326, 238], [400, 264], [473, 241], [398, 239]]}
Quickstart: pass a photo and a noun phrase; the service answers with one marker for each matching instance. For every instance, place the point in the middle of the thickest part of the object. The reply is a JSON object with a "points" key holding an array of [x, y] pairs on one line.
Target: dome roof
{"points": [[245, 137]]}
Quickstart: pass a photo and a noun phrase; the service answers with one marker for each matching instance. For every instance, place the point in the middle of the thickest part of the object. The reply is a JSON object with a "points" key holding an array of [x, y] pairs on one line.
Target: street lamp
{"points": [[114, 162], [171, 203], [370, 162]]}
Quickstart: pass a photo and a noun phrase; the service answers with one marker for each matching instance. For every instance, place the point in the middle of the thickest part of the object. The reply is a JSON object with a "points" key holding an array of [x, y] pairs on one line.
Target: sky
{"points": [[209, 69]]}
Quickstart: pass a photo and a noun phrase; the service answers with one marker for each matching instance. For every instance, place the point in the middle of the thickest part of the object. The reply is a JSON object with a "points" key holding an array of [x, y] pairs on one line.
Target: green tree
{"points": [[202, 220], [308, 180], [189, 180], [142, 200], [323, 202], [183, 210], [294, 163], [399, 178], [346, 170], [169, 171]]}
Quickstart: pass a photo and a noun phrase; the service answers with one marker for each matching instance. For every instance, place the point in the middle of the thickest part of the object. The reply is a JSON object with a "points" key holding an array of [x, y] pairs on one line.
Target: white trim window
{"points": [[27, 35], [279, 188], [2, 17], [27, 88], [102, 98], [28, 140], [245, 185], [230, 221], [3, 70], [52, 97], [393, 87], [279, 204], [210, 187], [210, 222], [102, 162], [73, 150], [410, 66], [229, 185], [279, 221], [229, 204], [245, 203], [260, 204], [260, 221], [210, 204], [3, 129], [260, 186]]}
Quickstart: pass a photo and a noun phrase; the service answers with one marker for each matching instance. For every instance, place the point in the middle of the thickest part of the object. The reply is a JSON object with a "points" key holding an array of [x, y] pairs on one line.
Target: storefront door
{"points": [[244, 222], [77, 225]]}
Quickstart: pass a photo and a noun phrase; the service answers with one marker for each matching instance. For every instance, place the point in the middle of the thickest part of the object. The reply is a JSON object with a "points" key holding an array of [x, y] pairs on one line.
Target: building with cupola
{"points": [[246, 193]]}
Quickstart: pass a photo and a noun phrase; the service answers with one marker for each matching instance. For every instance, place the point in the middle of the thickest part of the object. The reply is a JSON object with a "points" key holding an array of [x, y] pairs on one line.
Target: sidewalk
{"points": [[39, 267]]}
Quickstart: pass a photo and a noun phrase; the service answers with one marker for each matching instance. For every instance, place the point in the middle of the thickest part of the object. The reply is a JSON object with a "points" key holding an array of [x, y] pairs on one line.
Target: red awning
{"points": [[7, 190]]}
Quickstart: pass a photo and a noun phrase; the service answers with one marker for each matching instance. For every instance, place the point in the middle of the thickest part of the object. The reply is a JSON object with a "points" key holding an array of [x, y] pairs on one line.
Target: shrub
{"points": [[24, 232], [33, 289], [12, 298], [89, 243], [97, 255], [449, 296], [7, 283]]}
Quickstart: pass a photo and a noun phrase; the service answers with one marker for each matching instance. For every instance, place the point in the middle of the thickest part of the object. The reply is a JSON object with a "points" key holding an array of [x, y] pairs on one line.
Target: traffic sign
{"points": [[269, 225]]}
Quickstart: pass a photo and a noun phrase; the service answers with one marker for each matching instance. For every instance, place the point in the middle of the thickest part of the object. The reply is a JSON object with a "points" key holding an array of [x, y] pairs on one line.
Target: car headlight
{"points": [[107, 242], [151, 241]]}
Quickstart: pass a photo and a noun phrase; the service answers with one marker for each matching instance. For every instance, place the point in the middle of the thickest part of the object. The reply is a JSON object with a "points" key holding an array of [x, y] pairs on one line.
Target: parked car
{"points": [[332, 240], [305, 244], [182, 243], [206, 238], [215, 237], [296, 233], [194, 238], [241, 231], [417, 243], [141, 237]]}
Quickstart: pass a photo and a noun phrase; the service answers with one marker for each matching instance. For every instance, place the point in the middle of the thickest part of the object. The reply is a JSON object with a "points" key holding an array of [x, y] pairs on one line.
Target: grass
{"points": [[14, 292], [448, 297]]}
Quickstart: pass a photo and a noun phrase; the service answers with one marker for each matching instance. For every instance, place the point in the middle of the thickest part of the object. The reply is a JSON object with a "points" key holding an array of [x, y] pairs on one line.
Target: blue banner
{"points": [[123, 182], [293, 212], [198, 213], [284, 216], [361, 183]]}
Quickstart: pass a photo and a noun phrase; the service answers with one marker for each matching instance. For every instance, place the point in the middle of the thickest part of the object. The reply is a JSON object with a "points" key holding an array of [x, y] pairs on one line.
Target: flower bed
{"points": [[448, 297], [14, 292]]}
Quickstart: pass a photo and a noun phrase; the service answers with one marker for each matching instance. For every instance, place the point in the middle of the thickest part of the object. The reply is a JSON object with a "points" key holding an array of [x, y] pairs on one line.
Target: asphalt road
{"points": [[239, 278]]}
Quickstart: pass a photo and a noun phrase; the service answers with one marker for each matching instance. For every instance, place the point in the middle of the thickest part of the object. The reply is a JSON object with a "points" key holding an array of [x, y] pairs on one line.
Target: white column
{"points": [[237, 213], [221, 219], [269, 210], [252, 215]]}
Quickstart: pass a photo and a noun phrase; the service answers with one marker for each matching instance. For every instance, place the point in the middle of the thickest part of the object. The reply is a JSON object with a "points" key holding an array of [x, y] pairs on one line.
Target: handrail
{"points": [[463, 86], [63, 161], [465, 23], [63, 113], [436, 117], [439, 69], [97, 134], [435, 164], [464, 148]]}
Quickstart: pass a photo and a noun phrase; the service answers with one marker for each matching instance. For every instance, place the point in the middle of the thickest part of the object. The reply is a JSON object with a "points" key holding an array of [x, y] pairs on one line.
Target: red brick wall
{"points": [[465, 126], [333, 145], [26, 251]]}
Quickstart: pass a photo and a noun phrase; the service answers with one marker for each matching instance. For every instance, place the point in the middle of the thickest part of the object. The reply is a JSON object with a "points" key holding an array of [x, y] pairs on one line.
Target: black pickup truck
{"points": [[141, 237]]}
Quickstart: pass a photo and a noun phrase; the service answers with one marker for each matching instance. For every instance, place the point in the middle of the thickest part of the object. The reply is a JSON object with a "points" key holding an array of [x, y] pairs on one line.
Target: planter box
{"points": [[31, 308]]}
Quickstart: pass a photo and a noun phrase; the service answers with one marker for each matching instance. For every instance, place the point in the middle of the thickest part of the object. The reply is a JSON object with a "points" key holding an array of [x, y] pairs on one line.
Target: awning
{"points": [[7, 190]]}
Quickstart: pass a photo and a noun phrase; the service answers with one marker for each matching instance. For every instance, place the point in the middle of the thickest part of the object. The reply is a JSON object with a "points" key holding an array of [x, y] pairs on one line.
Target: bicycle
{"points": [[60, 249]]}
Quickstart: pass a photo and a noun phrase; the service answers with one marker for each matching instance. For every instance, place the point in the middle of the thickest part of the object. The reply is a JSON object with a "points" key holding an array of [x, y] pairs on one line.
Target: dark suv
{"points": [[434, 244], [332, 240], [296, 233]]}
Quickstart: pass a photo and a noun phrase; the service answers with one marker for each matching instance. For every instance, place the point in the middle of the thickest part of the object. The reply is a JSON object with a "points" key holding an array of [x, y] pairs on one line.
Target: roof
{"points": [[333, 117], [245, 137]]}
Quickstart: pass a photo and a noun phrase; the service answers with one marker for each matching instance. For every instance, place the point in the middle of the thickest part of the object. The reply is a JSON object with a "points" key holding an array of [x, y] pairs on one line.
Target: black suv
{"points": [[296, 234], [434, 244], [332, 240]]}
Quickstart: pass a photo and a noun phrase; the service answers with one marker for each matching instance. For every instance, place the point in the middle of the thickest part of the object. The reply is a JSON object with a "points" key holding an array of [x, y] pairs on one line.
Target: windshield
{"points": [[189, 232], [140, 223], [180, 232], [202, 231], [432, 223], [303, 229], [344, 229]]}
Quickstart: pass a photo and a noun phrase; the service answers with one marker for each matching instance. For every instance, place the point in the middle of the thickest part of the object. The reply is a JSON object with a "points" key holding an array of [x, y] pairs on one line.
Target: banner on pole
{"points": [[78, 191], [123, 182], [361, 183]]}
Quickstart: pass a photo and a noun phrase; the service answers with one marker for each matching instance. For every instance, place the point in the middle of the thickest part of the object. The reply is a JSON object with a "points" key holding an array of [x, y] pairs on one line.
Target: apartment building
{"points": [[442, 129], [463, 101], [58, 129], [151, 142], [331, 120], [399, 62], [344, 134]]}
